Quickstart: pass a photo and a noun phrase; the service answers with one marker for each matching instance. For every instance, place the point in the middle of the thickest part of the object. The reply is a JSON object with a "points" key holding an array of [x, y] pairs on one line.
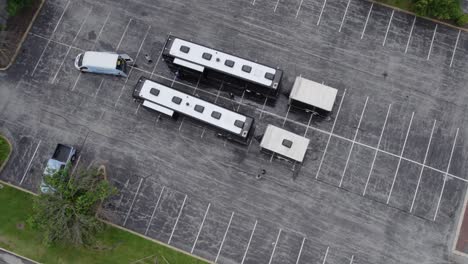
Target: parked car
{"points": [[63, 155], [103, 62]]}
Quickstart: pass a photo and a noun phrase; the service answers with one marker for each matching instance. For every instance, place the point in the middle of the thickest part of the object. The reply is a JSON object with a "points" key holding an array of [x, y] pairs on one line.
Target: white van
{"points": [[103, 62]]}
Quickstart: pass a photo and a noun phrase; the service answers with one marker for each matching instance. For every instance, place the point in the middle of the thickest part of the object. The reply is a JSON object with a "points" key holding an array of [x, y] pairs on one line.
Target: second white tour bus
{"points": [[259, 78], [169, 101]]}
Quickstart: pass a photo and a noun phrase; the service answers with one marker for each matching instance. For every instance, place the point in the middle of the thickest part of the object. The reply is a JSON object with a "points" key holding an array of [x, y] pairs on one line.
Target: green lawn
{"points": [[403, 4], [4, 150], [113, 245]]}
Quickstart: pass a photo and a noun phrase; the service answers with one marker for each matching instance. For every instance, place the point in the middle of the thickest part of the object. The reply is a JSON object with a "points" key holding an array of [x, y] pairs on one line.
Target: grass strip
{"points": [[113, 245]]}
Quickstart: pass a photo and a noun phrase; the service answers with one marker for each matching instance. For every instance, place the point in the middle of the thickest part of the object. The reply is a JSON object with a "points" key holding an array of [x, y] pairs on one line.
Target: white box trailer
{"points": [[307, 94], [284, 143]]}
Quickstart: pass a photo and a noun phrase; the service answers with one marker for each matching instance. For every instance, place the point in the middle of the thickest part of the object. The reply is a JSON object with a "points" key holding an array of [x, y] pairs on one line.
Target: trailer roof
{"points": [[285, 143], [313, 93]]}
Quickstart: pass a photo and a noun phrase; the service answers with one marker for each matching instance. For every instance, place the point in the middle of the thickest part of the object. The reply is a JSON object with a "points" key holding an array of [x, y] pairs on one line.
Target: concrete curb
{"points": [[3, 166], [9, 154], [19, 256], [102, 168], [457, 234], [414, 14], [155, 241], [19, 188], [23, 38]]}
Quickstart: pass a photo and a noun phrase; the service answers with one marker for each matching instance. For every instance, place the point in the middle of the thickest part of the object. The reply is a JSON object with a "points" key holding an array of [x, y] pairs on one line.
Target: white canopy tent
{"points": [[284, 143], [307, 93]]}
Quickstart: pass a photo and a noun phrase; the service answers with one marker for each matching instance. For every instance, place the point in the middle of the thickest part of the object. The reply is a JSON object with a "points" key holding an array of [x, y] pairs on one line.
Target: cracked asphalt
{"points": [[384, 177]]}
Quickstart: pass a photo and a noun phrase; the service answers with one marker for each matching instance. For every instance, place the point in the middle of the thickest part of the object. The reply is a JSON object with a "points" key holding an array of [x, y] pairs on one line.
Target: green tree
{"points": [[67, 213], [15, 6], [440, 9]]}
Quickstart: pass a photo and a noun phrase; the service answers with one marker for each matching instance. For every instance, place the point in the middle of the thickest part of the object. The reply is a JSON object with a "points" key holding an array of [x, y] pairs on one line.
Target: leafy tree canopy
{"points": [[440, 9], [67, 213], [15, 6]]}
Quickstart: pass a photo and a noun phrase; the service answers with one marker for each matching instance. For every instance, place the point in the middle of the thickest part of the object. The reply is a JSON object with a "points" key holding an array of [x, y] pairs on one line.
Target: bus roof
{"points": [[100, 59], [188, 105], [224, 62]]}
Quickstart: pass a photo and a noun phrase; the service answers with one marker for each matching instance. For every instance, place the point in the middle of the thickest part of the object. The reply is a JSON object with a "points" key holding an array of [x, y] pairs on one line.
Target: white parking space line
{"points": [[154, 210], [299, 8], [177, 220], [321, 12], [76, 165], [138, 108], [94, 46], [326, 255], [367, 20], [432, 42], [276, 6], [196, 86], [354, 140], [300, 251], [263, 108], [241, 100], [158, 59], [330, 135], [274, 247], [410, 35], [123, 35], [100, 31], [99, 88], [286, 116], [422, 169], [77, 79], [253, 2], [131, 69], [308, 123], [73, 41], [400, 158], [180, 127], [224, 238], [133, 201], [248, 244], [344, 15], [54, 41], [376, 152], [219, 91], [388, 28], [200, 228], [203, 132], [30, 162], [455, 48], [445, 176], [352, 259], [48, 42]]}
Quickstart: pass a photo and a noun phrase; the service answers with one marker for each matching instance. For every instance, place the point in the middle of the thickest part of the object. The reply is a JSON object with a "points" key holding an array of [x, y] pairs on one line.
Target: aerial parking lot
{"points": [[384, 177]]}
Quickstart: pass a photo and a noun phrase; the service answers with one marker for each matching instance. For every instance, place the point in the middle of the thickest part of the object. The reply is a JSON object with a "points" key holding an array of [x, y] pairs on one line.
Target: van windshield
{"points": [[121, 65], [80, 60]]}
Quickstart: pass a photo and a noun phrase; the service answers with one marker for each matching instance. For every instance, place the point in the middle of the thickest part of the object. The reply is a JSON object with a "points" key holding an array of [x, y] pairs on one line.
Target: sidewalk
{"points": [[462, 241], [8, 258]]}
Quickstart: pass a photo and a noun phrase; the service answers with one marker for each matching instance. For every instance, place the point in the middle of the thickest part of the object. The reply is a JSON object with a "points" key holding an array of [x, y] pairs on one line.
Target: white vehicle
{"points": [[103, 62]]}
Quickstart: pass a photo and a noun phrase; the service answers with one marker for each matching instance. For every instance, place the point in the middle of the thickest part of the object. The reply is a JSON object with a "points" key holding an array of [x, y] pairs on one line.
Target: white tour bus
{"points": [[258, 78], [169, 101]]}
